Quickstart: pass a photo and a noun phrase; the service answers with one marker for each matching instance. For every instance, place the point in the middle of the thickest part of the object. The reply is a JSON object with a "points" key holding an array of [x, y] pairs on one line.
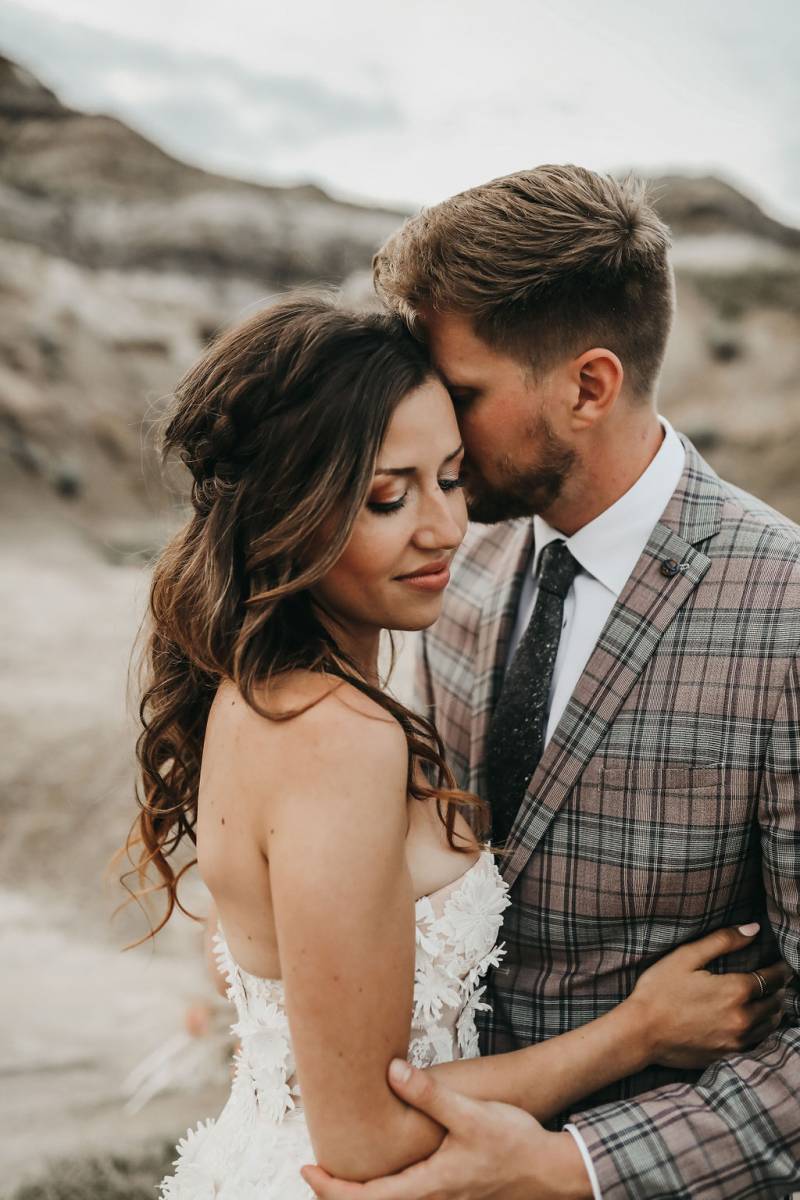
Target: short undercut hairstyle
{"points": [[547, 263]]}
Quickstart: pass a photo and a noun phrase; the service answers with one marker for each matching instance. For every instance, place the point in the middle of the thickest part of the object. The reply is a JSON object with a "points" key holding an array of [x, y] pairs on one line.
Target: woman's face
{"points": [[394, 569]]}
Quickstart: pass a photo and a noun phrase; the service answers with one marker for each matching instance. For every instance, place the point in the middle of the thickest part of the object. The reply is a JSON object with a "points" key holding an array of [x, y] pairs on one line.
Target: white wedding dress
{"points": [[255, 1148]]}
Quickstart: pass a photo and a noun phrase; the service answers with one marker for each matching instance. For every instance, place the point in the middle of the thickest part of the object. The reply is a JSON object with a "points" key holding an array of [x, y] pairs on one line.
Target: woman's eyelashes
{"points": [[449, 485], [384, 507]]}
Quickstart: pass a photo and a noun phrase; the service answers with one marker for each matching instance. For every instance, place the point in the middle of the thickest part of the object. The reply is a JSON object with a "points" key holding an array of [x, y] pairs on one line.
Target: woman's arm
{"points": [[678, 1014], [547, 1078], [334, 827]]}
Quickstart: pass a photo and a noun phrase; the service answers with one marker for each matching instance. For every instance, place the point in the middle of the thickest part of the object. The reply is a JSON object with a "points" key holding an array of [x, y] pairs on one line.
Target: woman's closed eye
{"points": [[384, 507], [387, 506], [451, 483]]}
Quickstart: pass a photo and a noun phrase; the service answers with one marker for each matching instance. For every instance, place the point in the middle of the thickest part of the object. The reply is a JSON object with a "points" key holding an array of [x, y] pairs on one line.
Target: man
{"points": [[618, 675]]}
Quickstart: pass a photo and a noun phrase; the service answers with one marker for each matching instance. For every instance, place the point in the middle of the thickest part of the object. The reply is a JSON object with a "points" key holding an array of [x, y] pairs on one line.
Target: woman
{"points": [[359, 907]]}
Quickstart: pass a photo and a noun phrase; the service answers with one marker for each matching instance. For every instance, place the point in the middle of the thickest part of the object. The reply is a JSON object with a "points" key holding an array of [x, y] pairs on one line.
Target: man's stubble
{"points": [[523, 490]]}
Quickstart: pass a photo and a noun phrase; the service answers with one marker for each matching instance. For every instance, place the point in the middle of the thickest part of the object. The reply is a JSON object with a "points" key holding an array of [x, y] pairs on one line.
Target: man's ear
{"points": [[597, 376]]}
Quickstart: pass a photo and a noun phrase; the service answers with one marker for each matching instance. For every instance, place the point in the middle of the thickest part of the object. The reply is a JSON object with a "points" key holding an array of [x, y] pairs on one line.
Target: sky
{"points": [[404, 103]]}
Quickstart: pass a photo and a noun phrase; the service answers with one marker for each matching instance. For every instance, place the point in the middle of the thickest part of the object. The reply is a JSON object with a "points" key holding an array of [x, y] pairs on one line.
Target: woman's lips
{"points": [[431, 578]]}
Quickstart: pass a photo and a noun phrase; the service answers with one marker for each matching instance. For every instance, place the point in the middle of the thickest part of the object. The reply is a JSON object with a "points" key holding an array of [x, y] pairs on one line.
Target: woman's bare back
{"points": [[234, 809]]}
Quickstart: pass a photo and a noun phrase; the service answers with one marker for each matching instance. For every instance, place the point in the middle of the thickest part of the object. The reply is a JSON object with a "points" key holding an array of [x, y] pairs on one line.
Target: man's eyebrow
{"points": [[413, 470]]}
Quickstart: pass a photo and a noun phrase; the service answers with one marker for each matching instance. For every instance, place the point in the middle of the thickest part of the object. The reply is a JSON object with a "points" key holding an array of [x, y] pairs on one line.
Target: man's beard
{"points": [[524, 491]]}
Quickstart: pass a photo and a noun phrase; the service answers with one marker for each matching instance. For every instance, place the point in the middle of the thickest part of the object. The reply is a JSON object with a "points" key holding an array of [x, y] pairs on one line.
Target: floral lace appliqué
{"points": [[255, 1148], [455, 949]]}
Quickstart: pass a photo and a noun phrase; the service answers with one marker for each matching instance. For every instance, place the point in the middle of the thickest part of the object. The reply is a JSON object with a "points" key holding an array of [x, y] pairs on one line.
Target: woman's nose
{"points": [[442, 528]]}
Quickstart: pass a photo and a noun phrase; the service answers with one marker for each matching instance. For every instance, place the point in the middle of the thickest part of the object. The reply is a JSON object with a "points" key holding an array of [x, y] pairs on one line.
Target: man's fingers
{"points": [[421, 1090], [418, 1180], [410, 1184], [327, 1188], [699, 954]]}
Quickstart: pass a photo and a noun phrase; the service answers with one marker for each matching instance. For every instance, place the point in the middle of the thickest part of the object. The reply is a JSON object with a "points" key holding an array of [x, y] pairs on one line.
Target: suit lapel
{"points": [[645, 609], [498, 612]]}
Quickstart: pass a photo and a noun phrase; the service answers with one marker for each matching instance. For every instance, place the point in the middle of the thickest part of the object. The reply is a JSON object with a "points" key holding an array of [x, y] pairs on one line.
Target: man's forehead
{"points": [[452, 340], [457, 351], [451, 328]]}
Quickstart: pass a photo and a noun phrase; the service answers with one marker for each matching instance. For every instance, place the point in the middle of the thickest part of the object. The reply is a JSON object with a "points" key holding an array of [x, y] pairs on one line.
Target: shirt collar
{"points": [[609, 547]]}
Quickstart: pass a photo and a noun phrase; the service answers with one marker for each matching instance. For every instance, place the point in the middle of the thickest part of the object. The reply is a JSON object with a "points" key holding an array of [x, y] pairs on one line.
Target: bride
{"points": [[359, 905]]}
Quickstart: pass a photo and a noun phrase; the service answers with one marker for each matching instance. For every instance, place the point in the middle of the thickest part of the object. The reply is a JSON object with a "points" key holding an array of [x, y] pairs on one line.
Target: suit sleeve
{"points": [[736, 1132]]}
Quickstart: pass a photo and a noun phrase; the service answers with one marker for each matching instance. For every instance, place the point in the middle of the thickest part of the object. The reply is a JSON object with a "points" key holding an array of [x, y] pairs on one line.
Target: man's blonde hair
{"points": [[547, 263]]}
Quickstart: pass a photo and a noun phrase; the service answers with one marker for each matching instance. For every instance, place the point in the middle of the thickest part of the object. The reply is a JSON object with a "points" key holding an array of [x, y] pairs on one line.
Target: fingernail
{"points": [[749, 930], [399, 1070]]}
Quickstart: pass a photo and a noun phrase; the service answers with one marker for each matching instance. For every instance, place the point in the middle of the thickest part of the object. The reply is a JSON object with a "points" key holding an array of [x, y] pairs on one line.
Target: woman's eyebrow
{"points": [[413, 470]]}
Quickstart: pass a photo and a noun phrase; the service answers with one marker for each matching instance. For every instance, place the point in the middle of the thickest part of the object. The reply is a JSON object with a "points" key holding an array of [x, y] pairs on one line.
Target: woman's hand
{"points": [[693, 1018]]}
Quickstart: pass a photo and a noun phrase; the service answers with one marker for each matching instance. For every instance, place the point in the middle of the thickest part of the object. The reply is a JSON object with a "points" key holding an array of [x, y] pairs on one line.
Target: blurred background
{"points": [[167, 167]]}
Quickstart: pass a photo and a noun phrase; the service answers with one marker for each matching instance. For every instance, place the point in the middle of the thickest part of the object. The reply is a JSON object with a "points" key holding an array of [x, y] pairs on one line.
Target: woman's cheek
{"points": [[373, 551]]}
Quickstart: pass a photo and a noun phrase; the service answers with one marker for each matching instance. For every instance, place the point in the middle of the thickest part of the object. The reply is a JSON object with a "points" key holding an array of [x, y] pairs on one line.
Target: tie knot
{"points": [[557, 569]]}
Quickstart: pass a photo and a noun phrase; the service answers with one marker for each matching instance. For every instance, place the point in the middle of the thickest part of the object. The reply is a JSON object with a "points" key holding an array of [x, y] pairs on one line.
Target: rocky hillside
{"points": [[732, 375], [118, 263]]}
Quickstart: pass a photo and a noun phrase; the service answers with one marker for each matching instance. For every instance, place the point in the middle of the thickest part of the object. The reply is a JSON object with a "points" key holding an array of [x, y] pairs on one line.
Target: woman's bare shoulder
{"points": [[308, 717]]}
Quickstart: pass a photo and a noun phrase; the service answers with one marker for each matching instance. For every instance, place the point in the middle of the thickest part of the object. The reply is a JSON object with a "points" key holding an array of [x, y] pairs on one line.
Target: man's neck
{"points": [[607, 473]]}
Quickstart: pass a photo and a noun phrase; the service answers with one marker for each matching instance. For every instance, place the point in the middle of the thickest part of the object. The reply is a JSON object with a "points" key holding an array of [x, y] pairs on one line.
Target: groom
{"points": [[617, 670]]}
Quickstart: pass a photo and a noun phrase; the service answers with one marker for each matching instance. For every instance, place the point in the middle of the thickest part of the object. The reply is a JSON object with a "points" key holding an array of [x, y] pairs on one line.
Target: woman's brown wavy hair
{"points": [[280, 424]]}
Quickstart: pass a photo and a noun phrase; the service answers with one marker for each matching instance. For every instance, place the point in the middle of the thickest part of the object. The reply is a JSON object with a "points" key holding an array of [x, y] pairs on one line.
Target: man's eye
{"points": [[461, 397]]}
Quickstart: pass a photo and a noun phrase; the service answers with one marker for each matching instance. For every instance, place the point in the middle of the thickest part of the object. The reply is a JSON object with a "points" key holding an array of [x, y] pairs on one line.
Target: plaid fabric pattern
{"points": [[666, 805]]}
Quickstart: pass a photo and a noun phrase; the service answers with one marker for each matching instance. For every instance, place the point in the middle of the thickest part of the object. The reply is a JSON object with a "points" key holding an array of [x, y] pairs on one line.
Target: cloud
{"points": [[406, 104], [208, 109]]}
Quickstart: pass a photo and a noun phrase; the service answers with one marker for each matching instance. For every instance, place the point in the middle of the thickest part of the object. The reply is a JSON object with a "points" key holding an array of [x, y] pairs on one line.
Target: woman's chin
{"points": [[423, 616]]}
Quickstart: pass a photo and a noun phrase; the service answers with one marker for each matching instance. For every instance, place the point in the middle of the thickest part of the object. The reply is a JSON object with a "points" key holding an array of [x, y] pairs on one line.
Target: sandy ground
{"points": [[76, 1014], [76, 1017]]}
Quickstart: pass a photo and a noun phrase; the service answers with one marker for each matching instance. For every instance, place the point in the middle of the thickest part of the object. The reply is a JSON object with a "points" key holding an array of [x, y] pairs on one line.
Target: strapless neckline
{"points": [[445, 890], [454, 883]]}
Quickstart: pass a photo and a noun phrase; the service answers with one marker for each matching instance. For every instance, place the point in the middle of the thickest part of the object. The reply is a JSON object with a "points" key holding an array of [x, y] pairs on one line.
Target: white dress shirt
{"points": [[607, 550]]}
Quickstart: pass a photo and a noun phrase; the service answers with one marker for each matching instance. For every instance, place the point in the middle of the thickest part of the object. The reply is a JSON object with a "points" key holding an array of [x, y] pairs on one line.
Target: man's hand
{"points": [[490, 1152]]}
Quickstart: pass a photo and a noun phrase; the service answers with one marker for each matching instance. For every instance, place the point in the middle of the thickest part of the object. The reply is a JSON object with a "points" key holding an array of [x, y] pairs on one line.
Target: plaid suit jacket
{"points": [[666, 805]]}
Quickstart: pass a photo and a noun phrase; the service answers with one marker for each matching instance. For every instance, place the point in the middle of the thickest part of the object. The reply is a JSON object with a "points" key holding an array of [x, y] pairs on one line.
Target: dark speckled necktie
{"points": [[516, 734]]}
